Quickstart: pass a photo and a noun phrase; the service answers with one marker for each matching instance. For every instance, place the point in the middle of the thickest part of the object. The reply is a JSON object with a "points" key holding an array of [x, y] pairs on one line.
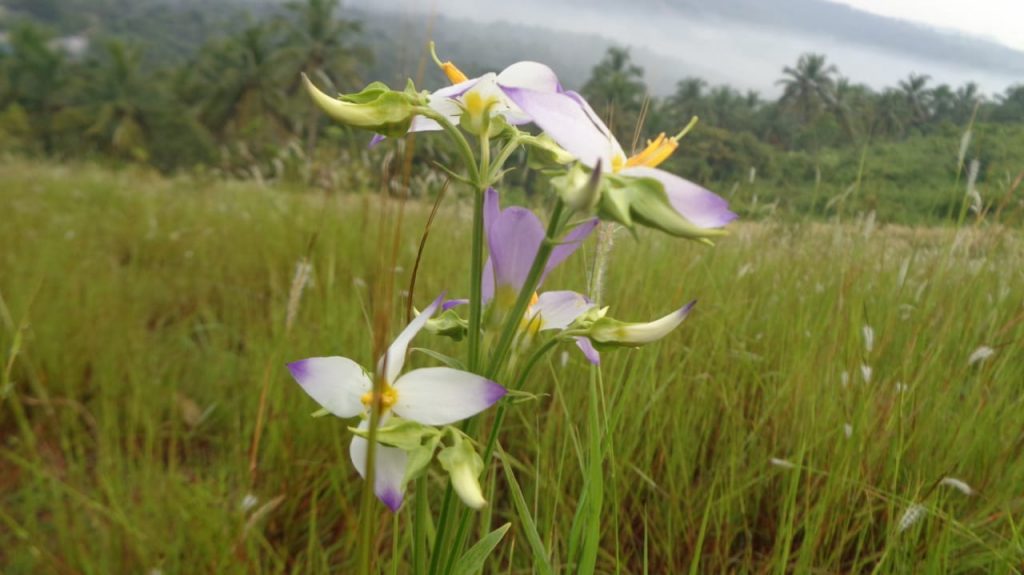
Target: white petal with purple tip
{"points": [[336, 383], [702, 207], [442, 395], [389, 468]]}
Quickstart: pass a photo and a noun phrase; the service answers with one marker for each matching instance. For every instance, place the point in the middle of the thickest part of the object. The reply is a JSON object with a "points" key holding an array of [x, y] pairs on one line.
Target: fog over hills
{"points": [[744, 43]]}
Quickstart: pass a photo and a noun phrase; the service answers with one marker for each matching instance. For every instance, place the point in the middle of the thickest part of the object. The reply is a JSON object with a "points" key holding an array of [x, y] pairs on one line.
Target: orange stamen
{"points": [[656, 152], [455, 76]]}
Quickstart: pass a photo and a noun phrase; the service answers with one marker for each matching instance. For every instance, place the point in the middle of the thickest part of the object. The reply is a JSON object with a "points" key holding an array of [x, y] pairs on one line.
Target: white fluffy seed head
{"points": [[783, 463], [869, 338], [981, 354], [957, 484], [965, 142], [303, 269], [911, 516], [865, 371]]}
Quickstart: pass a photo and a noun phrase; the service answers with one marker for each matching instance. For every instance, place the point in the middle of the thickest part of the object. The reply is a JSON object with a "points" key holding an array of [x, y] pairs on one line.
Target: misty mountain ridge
{"points": [[743, 43]]}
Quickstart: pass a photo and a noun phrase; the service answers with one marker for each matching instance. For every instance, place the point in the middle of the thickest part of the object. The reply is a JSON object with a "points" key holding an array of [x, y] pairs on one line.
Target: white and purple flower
{"points": [[485, 94], [430, 396], [570, 121]]}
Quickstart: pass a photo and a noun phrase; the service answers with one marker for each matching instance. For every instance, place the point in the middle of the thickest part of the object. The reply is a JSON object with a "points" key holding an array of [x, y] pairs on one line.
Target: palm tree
{"points": [[616, 86], [808, 89], [240, 80], [943, 101], [34, 78], [968, 97], [891, 114], [915, 92], [117, 97], [322, 46]]}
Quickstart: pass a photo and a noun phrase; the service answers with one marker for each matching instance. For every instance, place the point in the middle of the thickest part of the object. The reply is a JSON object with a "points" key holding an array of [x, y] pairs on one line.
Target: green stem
{"points": [[502, 157], [492, 440], [420, 526], [594, 490], [366, 508], [460, 141], [475, 283]]}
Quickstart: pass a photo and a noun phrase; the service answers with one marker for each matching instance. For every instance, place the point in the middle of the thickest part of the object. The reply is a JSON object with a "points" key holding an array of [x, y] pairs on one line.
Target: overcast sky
{"points": [[1001, 20]]}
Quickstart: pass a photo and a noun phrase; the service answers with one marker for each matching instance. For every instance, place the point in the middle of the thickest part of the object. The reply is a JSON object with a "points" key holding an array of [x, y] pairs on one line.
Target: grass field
{"points": [[771, 433]]}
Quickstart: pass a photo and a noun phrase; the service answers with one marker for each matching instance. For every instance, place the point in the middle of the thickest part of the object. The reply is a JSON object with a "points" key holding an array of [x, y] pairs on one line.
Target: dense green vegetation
{"points": [[141, 317], [213, 87]]}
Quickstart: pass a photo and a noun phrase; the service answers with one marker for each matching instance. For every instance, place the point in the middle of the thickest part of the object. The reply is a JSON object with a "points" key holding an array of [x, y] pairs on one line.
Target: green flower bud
{"points": [[464, 466], [631, 200], [608, 332], [376, 107], [579, 188]]}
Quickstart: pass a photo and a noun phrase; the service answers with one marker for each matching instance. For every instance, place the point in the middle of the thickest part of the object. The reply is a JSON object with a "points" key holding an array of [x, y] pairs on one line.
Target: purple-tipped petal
{"points": [[514, 240], [389, 468], [702, 207], [442, 395], [376, 139], [568, 124], [453, 303], [395, 357], [592, 355], [558, 309], [336, 383], [569, 244]]}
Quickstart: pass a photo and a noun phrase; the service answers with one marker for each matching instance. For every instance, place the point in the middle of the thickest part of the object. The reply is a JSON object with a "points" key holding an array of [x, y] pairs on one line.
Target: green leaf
{"points": [[540, 555], [472, 561], [445, 359]]}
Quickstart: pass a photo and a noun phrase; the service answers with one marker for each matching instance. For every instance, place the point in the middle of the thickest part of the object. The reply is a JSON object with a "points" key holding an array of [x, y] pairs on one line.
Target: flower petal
{"points": [[702, 207], [568, 124], [453, 303], [513, 241], [487, 282], [569, 244], [395, 357], [389, 468], [529, 75], [592, 355], [336, 383], [558, 309], [442, 395]]}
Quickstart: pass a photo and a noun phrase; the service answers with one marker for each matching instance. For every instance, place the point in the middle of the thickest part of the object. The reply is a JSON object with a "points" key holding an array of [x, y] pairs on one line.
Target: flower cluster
{"points": [[510, 323]]}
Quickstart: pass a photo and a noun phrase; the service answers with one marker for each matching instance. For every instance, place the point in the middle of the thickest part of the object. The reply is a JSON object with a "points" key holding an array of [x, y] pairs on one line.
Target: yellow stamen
{"points": [[531, 323], [388, 398], [455, 76], [657, 151]]}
